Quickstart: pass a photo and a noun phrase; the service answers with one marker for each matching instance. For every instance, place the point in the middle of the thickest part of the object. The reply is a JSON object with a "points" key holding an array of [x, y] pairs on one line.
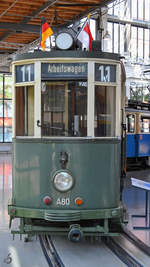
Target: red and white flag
{"points": [[85, 36]]}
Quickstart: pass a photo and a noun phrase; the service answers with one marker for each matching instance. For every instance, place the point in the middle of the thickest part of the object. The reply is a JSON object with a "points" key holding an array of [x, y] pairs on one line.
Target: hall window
{"points": [[5, 108]]}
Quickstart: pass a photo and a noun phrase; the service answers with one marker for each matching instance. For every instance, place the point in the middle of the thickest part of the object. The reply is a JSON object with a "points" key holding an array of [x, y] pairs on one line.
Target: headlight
{"points": [[63, 181]]}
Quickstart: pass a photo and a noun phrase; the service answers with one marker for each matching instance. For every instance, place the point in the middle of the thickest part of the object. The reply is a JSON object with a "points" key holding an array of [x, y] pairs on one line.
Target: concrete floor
{"points": [[23, 254], [134, 199]]}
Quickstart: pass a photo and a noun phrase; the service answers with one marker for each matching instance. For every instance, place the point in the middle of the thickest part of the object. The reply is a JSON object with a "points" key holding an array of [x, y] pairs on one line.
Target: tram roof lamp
{"points": [[64, 41]]}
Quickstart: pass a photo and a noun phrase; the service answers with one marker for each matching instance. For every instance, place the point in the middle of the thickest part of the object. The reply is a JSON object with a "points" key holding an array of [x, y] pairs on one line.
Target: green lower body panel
{"points": [[68, 221], [93, 164], [64, 216]]}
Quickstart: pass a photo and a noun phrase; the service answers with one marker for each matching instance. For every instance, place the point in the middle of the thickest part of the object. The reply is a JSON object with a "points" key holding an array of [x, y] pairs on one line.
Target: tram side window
{"points": [[64, 108], [130, 123], [104, 123], [25, 111], [145, 125]]}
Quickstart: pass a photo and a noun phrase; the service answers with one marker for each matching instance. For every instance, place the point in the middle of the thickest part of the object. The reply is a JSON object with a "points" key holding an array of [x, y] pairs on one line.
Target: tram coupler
{"points": [[75, 234]]}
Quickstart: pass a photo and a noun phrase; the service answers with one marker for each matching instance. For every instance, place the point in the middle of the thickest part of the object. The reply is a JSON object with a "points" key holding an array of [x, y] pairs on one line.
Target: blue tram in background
{"points": [[138, 132]]}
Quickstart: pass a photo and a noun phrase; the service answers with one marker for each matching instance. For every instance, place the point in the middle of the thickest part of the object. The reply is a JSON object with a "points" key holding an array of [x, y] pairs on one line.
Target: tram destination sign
{"points": [[25, 73], [64, 71], [105, 73]]}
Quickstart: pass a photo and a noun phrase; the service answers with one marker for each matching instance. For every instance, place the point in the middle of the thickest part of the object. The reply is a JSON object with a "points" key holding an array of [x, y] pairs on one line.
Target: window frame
{"points": [[4, 100], [144, 116], [66, 85], [37, 83]]}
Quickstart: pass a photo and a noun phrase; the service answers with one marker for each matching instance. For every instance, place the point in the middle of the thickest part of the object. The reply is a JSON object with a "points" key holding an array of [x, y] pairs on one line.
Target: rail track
{"points": [[50, 251], [121, 251]]}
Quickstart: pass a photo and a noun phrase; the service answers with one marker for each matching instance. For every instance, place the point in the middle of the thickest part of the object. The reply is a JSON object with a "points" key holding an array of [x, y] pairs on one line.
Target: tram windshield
{"points": [[105, 110], [64, 108]]}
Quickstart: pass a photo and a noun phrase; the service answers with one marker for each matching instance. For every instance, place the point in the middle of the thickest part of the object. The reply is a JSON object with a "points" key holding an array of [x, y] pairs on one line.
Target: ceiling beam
{"points": [[136, 23], [76, 5], [20, 27], [27, 19], [39, 10]]}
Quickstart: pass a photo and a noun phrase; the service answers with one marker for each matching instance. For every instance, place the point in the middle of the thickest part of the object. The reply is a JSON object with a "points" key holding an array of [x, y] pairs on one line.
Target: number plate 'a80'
{"points": [[63, 202]]}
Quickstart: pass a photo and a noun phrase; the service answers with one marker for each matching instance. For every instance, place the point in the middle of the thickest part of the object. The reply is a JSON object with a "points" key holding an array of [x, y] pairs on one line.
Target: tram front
{"points": [[67, 143]]}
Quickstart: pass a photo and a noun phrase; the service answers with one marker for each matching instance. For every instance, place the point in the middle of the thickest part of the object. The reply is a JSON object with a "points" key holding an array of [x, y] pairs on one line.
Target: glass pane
{"points": [[115, 38], [104, 111], [7, 121], [133, 42], [8, 108], [117, 8], [147, 9], [140, 43], [146, 45], [1, 109], [110, 9], [1, 130], [25, 111], [109, 42], [122, 10], [1, 120], [1, 86], [8, 130], [8, 86], [134, 9], [64, 108], [145, 125], [146, 93], [140, 9], [130, 123]]}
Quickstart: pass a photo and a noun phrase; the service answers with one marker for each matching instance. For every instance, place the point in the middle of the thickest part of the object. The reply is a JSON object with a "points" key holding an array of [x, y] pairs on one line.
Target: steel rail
{"points": [[141, 245], [121, 253], [125, 247], [50, 252], [128, 249]]}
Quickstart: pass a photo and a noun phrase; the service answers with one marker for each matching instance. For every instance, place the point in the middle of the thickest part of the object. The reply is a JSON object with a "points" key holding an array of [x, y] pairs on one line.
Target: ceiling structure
{"points": [[20, 20]]}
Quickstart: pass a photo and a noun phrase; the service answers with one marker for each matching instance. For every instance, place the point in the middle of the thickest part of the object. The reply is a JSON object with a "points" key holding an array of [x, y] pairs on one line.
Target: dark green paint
{"points": [[94, 167]]}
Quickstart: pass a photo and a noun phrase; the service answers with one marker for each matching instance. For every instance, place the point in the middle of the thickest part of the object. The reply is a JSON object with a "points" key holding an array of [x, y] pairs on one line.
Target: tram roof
{"points": [[66, 54], [20, 20]]}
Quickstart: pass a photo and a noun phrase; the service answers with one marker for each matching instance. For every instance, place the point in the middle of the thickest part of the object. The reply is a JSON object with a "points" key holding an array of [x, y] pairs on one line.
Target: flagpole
{"points": [[88, 18], [82, 27]]}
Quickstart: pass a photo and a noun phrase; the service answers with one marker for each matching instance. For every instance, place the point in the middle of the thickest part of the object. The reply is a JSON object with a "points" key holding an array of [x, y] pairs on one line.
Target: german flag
{"points": [[46, 32]]}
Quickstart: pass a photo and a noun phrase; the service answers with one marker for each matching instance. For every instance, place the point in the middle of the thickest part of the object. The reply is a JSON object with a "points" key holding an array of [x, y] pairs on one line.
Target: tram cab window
{"points": [[104, 123], [130, 122], [145, 124], [25, 111], [64, 108]]}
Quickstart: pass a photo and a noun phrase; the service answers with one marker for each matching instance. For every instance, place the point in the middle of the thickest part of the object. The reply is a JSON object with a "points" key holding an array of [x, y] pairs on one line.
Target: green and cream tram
{"points": [[67, 143]]}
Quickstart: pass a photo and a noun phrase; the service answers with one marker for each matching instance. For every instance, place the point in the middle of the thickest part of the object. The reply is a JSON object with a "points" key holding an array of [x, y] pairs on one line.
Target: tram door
{"points": [[64, 108]]}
